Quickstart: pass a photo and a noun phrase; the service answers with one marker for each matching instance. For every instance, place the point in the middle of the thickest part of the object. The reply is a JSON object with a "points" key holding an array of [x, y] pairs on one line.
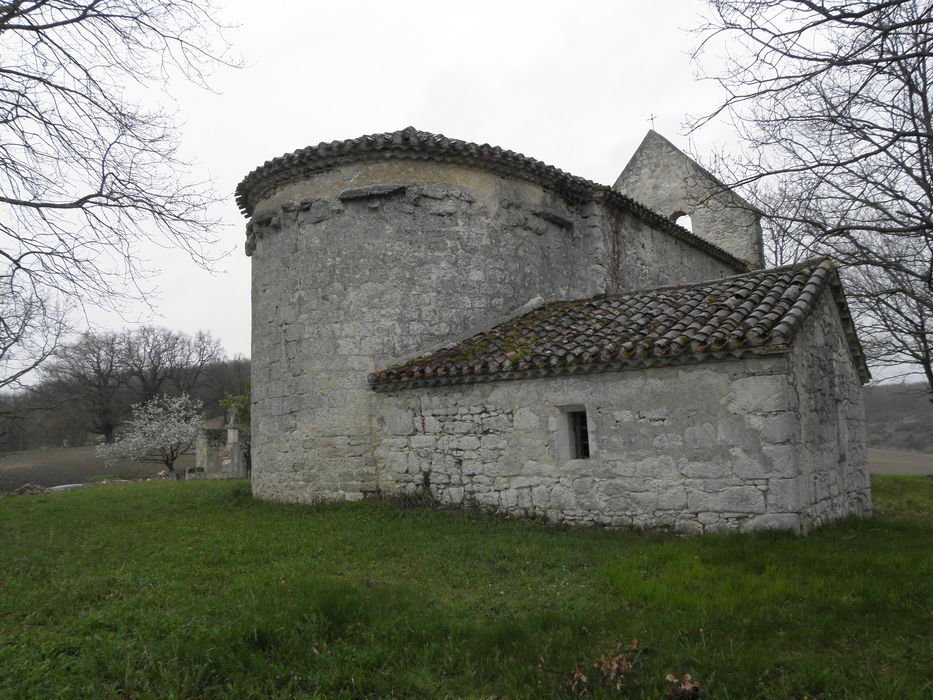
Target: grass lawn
{"points": [[196, 590]]}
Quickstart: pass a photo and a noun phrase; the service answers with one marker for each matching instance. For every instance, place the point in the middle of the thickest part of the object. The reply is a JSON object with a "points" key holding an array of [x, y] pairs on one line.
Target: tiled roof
{"points": [[751, 314], [412, 144]]}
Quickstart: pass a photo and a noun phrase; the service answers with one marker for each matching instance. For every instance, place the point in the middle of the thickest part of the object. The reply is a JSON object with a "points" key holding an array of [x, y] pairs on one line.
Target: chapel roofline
{"points": [[653, 135], [762, 317], [413, 144]]}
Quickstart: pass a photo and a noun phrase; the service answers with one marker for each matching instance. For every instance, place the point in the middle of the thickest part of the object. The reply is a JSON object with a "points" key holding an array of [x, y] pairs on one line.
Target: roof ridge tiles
{"points": [[642, 292]]}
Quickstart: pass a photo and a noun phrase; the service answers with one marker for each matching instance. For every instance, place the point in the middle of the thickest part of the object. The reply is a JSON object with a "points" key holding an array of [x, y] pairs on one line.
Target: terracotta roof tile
{"points": [[754, 313]]}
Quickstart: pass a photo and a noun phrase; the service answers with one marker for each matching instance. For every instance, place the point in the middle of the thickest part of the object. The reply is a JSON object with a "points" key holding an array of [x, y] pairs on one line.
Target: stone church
{"points": [[436, 315]]}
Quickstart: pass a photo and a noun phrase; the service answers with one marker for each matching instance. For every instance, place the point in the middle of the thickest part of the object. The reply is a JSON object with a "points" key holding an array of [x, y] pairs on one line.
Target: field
{"points": [[73, 465], [888, 461], [195, 590]]}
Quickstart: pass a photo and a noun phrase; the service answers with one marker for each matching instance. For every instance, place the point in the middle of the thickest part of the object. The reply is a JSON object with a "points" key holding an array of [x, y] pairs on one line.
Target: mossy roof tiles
{"points": [[755, 313]]}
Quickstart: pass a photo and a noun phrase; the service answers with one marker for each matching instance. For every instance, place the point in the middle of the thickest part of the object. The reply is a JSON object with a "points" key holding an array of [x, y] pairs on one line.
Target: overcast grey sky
{"points": [[571, 84]]}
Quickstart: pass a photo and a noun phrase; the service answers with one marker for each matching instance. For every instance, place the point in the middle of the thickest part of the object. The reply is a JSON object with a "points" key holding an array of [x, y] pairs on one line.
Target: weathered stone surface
{"points": [[526, 419], [398, 423], [780, 428], [422, 442], [780, 461], [784, 495], [731, 499], [707, 470], [671, 183], [630, 481], [656, 467], [340, 287], [672, 497], [833, 469], [667, 441], [758, 394], [772, 521], [700, 436], [371, 262]]}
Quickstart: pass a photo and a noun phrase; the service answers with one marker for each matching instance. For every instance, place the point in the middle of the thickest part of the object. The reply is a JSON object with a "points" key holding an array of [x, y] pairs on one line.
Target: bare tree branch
{"points": [[86, 172], [832, 100]]}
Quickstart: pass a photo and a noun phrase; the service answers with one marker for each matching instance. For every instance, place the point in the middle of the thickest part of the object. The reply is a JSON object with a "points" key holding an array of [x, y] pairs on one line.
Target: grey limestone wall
{"points": [[219, 455], [665, 179], [208, 449], [834, 467], [359, 266], [351, 273], [697, 448], [650, 258]]}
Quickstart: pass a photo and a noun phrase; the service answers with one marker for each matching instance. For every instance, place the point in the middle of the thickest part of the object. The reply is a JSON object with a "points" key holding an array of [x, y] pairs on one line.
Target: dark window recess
{"points": [[579, 435]]}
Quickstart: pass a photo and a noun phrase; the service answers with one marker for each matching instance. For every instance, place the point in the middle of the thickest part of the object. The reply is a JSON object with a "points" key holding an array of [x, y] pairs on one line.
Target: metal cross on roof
{"points": [[651, 119]]}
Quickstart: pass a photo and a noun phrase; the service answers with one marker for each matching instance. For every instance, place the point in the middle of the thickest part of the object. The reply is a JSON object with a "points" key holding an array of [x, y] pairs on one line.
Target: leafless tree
{"points": [[30, 330], [150, 355], [158, 357], [833, 103], [104, 371], [86, 172], [198, 352], [89, 384], [92, 372], [224, 377], [897, 326]]}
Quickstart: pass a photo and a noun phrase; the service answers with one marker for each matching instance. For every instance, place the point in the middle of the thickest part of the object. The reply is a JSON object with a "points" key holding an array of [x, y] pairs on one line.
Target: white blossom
{"points": [[160, 431]]}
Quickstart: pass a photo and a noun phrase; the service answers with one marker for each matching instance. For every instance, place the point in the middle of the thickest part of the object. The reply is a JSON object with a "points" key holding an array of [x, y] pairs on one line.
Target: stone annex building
{"points": [[435, 314]]}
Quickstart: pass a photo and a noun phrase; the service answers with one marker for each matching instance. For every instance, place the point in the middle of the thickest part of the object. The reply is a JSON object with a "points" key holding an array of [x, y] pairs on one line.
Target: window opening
{"points": [[685, 221], [579, 435]]}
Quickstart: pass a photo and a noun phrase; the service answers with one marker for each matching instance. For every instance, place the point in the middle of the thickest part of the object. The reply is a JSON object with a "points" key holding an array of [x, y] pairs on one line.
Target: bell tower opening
{"points": [[682, 219]]}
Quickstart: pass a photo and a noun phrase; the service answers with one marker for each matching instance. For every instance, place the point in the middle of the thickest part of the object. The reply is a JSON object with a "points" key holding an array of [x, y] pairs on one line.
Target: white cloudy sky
{"points": [[572, 84]]}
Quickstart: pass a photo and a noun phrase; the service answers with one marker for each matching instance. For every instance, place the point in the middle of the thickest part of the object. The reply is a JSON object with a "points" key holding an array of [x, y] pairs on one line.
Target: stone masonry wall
{"points": [[834, 466], [663, 178], [700, 448], [360, 266], [649, 258]]}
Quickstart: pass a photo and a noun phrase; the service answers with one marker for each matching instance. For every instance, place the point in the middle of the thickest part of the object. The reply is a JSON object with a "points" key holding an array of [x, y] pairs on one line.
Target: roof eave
{"points": [[686, 359], [418, 145]]}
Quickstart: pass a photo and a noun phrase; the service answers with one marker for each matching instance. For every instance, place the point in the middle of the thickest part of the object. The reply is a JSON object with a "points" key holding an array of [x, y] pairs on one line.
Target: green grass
{"points": [[196, 590]]}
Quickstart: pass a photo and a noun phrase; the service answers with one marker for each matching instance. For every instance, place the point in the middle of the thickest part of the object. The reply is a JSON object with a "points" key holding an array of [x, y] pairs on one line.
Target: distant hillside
{"points": [[900, 416]]}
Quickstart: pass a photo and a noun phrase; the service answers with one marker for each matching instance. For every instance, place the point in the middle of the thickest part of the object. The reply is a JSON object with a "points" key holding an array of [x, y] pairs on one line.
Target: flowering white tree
{"points": [[161, 430]]}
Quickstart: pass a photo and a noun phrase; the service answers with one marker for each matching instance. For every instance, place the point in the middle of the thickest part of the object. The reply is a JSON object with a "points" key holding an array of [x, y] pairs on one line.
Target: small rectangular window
{"points": [[579, 435]]}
